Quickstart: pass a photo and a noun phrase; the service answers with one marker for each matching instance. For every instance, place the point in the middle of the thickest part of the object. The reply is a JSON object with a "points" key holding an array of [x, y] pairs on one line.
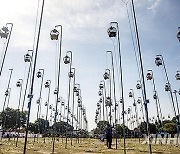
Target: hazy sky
{"points": [[85, 26]]}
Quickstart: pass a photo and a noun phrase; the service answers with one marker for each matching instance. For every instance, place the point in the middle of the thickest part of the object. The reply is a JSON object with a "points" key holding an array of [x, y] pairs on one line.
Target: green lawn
{"points": [[85, 146]]}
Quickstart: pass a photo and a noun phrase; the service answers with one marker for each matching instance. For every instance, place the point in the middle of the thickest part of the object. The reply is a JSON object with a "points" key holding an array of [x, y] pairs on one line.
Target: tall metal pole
{"points": [[136, 112], [40, 92], [158, 107], [9, 81], [142, 75], [170, 90], [30, 96], [121, 81], [114, 91], [58, 81], [4, 56], [177, 103], [47, 109], [109, 73], [69, 93], [73, 103], [28, 77], [7, 93], [18, 119]]}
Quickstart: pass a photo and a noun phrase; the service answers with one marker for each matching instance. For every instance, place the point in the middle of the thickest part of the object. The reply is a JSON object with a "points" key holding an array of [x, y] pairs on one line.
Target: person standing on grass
{"points": [[109, 136]]}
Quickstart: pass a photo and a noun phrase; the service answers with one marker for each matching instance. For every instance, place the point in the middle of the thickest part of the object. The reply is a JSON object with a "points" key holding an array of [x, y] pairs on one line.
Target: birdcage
{"points": [[18, 84], [167, 87], [27, 58], [130, 94], [39, 74], [112, 31], [54, 34], [149, 76], [158, 61], [66, 59], [101, 85], [106, 75], [177, 75]]}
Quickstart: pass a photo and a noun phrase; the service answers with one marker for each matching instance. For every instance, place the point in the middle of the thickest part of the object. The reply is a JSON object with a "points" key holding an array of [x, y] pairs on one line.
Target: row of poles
{"points": [[6, 33], [70, 117], [105, 103]]}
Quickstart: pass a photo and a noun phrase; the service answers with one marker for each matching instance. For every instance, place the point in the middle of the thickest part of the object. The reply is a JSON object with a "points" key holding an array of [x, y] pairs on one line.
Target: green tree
{"points": [[170, 127], [12, 118], [119, 129], [61, 127], [143, 128], [101, 126]]}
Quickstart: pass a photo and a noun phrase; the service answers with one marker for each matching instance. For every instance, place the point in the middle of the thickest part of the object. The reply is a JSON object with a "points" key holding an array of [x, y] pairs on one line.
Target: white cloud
{"points": [[154, 5]]}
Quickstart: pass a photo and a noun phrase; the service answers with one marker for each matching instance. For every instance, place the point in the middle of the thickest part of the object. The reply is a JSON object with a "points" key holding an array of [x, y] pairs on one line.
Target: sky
{"points": [[85, 25]]}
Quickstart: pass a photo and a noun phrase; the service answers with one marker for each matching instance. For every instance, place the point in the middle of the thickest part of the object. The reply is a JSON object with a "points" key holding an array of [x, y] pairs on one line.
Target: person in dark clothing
{"points": [[109, 136]]}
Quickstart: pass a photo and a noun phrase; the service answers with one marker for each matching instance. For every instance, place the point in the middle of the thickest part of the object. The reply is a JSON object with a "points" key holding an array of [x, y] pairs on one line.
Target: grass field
{"points": [[85, 146]]}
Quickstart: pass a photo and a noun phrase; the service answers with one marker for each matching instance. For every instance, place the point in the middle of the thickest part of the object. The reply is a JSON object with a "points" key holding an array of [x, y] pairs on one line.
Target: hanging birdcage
{"points": [[167, 87], [66, 59], [100, 100], [158, 61], [178, 75], [6, 92], [53, 109], [149, 76], [5, 29], [77, 93], [79, 105], [139, 100], [46, 104], [39, 74], [179, 92], [4, 32], [101, 85], [75, 89], [98, 104], [38, 101], [62, 103], [50, 106], [121, 101], [18, 84], [138, 85], [47, 84], [155, 95], [100, 93], [106, 75], [54, 34], [116, 104], [112, 31], [178, 34], [59, 100], [27, 58], [79, 100], [129, 110], [130, 94], [56, 91], [71, 74], [134, 104], [97, 112], [108, 101]]}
